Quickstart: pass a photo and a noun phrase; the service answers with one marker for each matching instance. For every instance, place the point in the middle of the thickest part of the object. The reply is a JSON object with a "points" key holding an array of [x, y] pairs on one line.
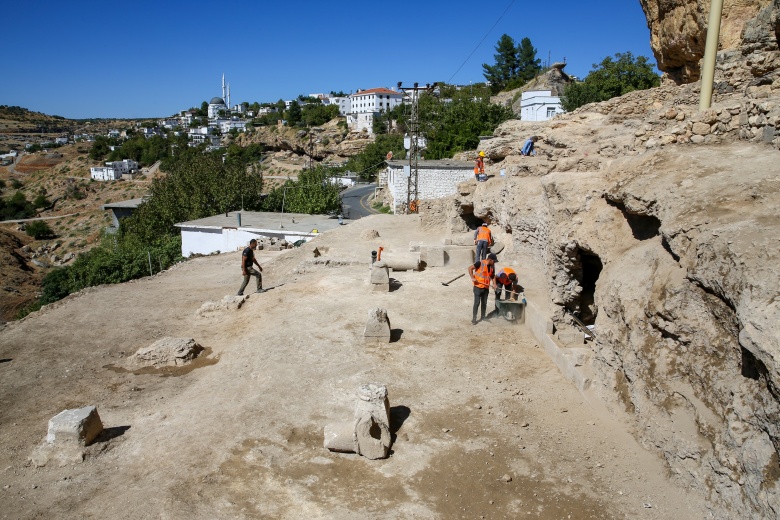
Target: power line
{"points": [[481, 41]]}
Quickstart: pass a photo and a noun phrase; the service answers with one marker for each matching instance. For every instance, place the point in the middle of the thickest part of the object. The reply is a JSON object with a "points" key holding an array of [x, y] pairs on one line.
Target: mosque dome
{"points": [[217, 101]]}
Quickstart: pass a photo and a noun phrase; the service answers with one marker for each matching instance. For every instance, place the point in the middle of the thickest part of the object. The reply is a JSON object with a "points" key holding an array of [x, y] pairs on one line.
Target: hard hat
{"points": [[482, 154]]}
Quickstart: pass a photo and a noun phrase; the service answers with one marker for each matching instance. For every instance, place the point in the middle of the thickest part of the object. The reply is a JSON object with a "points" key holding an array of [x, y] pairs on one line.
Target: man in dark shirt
{"points": [[247, 259]]}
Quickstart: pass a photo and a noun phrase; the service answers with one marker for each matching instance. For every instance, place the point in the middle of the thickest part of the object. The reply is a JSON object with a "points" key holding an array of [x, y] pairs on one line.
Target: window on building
{"points": [[550, 112]]}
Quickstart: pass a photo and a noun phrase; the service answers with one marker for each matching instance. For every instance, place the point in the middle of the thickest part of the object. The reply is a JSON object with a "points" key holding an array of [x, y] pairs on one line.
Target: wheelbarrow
{"points": [[511, 310]]}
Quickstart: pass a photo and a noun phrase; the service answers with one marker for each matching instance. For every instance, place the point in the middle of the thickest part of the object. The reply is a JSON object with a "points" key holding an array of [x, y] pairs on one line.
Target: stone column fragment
{"points": [[377, 327]]}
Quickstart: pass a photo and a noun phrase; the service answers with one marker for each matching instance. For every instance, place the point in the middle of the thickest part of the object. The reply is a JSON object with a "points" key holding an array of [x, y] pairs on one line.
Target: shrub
{"points": [[38, 229]]}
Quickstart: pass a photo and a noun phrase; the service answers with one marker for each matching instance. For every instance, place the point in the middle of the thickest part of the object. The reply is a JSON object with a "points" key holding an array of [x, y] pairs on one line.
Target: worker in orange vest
{"points": [[479, 165], [483, 239], [506, 281], [482, 273]]}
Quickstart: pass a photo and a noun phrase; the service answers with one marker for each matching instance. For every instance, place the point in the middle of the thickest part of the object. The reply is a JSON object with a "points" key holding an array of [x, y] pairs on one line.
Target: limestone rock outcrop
{"points": [[658, 224], [748, 37]]}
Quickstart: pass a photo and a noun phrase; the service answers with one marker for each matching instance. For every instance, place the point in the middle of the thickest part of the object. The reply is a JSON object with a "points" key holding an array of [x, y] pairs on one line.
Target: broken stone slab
{"points": [[77, 426], [434, 256], [459, 255], [368, 434], [377, 327], [167, 352], [380, 273], [69, 433]]}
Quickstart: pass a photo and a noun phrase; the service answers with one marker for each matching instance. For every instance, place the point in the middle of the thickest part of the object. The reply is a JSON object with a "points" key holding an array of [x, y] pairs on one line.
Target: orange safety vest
{"points": [[479, 166], [507, 271], [483, 233], [483, 275]]}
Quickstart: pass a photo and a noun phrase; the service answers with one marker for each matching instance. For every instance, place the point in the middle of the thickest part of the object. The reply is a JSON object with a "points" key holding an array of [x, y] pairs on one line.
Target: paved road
{"points": [[357, 198]]}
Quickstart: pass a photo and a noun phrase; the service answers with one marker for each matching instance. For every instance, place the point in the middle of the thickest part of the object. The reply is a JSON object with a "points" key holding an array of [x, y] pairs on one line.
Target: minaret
{"points": [[227, 101], [223, 87]]}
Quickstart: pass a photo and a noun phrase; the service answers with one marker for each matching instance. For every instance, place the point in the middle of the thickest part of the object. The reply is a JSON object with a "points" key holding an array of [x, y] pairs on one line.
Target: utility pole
{"points": [[412, 193]]}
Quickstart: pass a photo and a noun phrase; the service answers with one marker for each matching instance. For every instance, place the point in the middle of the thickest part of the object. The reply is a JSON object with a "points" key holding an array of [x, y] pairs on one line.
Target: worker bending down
{"points": [[506, 281], [481, 273]]}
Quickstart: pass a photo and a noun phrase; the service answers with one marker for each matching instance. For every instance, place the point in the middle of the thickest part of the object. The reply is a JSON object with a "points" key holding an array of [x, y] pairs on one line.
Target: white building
{"points": [[435, 179], [216, 105], [342, 102], [113, 170], [203, 134], [366, 104], [60, 140], [170, 123], [539, 105], [226, 125], [233, 231]]}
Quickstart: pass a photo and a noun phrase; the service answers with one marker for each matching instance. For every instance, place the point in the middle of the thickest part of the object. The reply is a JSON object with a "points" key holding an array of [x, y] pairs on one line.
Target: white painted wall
{"points": [[432, 183], [205, 241], [539, 105]]}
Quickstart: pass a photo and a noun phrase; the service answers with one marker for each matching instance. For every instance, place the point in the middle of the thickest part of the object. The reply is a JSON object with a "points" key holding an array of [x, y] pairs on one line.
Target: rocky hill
{"points": [[329, 143], [554, 80], [657, 223]]}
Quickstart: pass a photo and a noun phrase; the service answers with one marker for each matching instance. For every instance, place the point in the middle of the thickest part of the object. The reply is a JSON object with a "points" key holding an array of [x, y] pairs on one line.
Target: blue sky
{"points": [[85, 59]]}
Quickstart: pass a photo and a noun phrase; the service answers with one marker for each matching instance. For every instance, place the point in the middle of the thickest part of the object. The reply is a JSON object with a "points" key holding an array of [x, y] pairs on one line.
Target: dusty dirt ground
{"points": [[239, 435]]}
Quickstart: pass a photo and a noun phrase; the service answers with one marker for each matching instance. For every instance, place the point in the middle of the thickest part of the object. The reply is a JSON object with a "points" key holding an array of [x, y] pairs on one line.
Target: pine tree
{"points": [[528, 64], [506, 66]]}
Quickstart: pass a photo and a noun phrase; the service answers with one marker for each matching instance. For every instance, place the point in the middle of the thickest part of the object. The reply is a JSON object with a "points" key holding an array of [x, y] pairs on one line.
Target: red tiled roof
{"points": [[377, 91]]}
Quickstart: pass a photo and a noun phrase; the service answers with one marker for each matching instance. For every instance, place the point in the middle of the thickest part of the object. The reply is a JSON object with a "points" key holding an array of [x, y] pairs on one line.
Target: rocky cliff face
{"points": [[329, 142], [748, 38], [658, 224]]}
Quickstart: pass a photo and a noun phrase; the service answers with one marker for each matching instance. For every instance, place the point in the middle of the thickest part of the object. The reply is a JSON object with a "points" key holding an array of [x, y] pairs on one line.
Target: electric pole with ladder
{"points": [[412, 200]]}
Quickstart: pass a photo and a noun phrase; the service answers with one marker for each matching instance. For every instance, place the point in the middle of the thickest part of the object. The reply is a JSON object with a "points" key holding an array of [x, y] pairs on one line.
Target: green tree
{"points": [[195, 186], [528, 64], [611, 78], [294, 114], [312, 193], [506, 65], [99, 148], [319, 114], [373, 157], [41, 201], [38, 229], [16, 207]]}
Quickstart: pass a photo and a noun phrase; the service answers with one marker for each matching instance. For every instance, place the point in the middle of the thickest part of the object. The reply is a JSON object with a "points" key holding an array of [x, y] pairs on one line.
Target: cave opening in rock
{"points": [[591, 270], [643, 227], [752, 367], [471, 220]]}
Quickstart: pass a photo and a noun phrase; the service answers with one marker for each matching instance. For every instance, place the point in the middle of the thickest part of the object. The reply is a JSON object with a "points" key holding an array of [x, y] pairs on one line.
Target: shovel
{"points": [[447, 283]]}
